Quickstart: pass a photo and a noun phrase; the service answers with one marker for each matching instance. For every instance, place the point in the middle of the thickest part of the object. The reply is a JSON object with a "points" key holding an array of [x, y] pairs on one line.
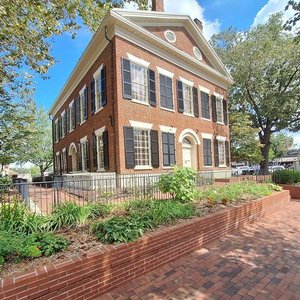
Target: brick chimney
{"points": [[158, 5], [199, 24]]}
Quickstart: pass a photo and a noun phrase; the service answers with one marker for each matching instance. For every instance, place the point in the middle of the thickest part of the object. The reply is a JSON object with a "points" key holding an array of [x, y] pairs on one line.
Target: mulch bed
{"points": [[82, 241]]}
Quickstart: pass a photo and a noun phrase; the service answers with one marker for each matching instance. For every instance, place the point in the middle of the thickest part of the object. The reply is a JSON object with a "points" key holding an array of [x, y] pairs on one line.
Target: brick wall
{"points": [[110, 266], [293, 189]]}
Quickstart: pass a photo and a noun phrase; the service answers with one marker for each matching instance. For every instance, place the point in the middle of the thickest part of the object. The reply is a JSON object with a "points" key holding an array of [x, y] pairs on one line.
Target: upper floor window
{"points": [[170, 36], [187, 99], [138, 81], [81, 106], [98, 90], [72, 116], [63, 125], [220, 114], [166, 92]]}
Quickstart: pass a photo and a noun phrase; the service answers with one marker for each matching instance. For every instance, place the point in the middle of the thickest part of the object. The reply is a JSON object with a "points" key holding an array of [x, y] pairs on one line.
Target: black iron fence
{"points": [[42, 197]]}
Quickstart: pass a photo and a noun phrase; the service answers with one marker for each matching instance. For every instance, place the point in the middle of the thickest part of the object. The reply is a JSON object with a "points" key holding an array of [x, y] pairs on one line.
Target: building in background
{"points": [[149, 92]]}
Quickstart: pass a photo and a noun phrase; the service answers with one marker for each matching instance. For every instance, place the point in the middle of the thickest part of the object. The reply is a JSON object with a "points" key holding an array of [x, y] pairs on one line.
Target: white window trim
{"points": [[63, 113], [143, 168], [203, 89], [219, 96], [170, 41], [83, 140], [141, 125], [99, 131], [64, 149], [97, 73], [167, 129], [57, 153], [71, 103], [138, 61], [207, 136], [168, 109], [189, 115], [141, 102], [221, 138], [188, 82], [81, 92], [165, 72]]}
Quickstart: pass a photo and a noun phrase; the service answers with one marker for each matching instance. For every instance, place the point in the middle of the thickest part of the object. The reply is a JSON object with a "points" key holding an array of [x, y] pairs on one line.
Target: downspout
{"points": [[112, 118]]}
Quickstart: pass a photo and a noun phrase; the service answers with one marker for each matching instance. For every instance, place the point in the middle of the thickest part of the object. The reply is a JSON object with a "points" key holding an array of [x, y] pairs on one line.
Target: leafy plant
{"points": [[286, 176], [119, 230], [49, 243], [180, 184]]}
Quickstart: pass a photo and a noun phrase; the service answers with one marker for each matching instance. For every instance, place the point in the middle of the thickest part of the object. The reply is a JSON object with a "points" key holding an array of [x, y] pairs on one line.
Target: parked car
{"points": [[244, 170], [254, 170], [276, 168]]}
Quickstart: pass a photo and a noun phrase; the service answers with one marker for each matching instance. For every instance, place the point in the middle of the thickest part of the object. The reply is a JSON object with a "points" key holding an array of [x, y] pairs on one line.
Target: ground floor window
{"points": [[168, 144], [141, 147], [100, 152], [84, 156], [207, 155], [222, 154]]}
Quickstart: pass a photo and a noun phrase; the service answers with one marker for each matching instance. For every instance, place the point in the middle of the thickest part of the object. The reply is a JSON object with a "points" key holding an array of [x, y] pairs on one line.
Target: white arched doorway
{"points": [[189, 140], [73, 154]]}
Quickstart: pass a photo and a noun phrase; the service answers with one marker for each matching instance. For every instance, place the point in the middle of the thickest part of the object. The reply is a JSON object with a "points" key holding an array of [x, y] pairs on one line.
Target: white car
{"points": [[276, 168], [244, 170]]}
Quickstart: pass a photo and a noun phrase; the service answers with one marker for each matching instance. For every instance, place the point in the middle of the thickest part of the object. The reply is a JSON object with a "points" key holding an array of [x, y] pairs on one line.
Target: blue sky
{"points": [[216, 15]]}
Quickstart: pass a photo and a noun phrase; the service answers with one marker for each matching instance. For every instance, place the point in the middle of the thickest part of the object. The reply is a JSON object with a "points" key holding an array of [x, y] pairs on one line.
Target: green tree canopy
{"points": [[265, 66], [292, 22], [39, 144], [26, 29], [245, 146], [281, 143]]}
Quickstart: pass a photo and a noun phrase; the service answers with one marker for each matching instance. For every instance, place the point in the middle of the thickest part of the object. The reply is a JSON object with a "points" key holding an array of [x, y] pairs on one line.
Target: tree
{"points": [[16, 121], [27, 28], [265, 66], [39, 145], [292, 22], [245, 146], [281, 143]]}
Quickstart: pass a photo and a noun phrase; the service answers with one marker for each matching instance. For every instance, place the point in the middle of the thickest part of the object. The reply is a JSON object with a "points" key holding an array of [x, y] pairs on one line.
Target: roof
{"points": [[131, 25]]}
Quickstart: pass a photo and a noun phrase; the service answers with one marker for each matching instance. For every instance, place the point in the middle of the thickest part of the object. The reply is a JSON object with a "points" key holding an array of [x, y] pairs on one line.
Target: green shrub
{"points": [[119, 230], [286, 176], [180, 184], [16, 246]]}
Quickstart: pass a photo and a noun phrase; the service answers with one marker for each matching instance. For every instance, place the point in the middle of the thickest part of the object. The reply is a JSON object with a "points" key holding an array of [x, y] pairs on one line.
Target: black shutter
{"points": [[95, 160], [87, 155], [79, 158], [85, 101], [93, 106], [105, 150], [154, 148], [152, 90], [129, 147], [216, 153], [214, 108], [126, 72], [78, 110], [227, 153], [103, 87], [180, 96], [225, 112], [196, 102]]}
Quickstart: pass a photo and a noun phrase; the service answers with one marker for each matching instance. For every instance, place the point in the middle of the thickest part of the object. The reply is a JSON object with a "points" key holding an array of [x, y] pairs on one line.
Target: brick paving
{"points": [[259, 262]]}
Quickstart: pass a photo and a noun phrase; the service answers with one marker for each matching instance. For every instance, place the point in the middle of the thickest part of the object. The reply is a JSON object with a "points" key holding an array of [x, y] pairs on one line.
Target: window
{"points": [[72, 116], [84, 155], [207, 157], [141, 147], [56, 129], [139, 82], [205, 106], [64, 161], [219, 107], [197, 53], [82, 112], [187, 99], [57, 163], [222, 155], [166, 91], [100, 152], [63, 125], [168, 144], [170, 36]]}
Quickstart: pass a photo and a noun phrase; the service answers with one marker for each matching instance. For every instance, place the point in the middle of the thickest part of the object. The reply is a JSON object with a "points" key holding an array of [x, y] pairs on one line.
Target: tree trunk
{"points": [[265, 140], [42, 172]]}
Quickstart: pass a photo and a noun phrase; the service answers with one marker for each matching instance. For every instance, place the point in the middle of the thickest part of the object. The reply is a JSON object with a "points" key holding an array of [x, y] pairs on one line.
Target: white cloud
{"points": [[296, 137], [272, 7], [191, 8]]}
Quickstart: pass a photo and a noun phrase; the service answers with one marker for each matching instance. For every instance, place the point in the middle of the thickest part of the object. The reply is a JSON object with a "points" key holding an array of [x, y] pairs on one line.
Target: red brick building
{"points": [[148, 92]]}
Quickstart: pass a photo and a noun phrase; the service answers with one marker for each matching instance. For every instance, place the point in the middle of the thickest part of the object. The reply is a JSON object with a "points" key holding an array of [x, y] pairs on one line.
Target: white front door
{"points": [[187, 156]]}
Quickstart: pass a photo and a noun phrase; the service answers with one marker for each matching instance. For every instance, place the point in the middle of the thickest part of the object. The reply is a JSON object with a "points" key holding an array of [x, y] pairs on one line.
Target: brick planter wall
{"points": [[294, 190], [98, 272]]}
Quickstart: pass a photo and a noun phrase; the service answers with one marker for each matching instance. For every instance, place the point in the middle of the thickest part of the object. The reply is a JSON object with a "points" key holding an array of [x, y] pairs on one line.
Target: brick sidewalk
{"points": [[261, 261]]}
